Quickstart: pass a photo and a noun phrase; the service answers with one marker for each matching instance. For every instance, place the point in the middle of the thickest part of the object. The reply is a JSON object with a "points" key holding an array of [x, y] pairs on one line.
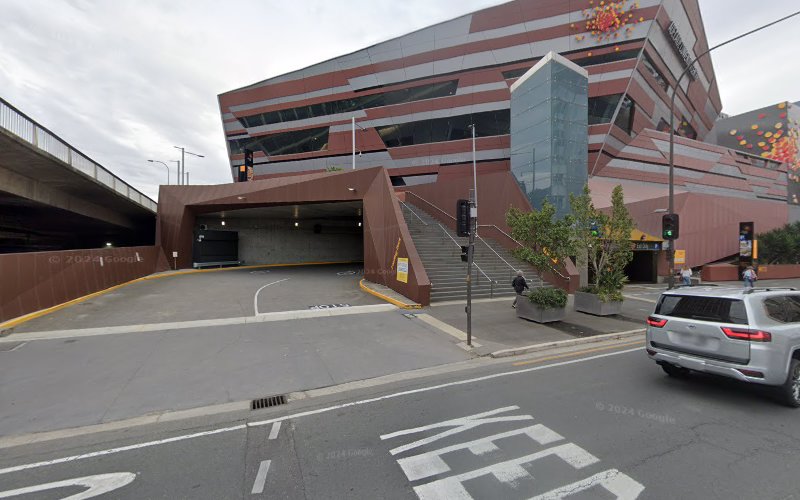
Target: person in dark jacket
{"points": [[519, 285]]}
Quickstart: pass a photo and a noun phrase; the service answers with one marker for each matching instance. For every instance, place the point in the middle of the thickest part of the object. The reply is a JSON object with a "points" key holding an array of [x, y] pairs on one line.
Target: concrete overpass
{"points": [[53, 197]]}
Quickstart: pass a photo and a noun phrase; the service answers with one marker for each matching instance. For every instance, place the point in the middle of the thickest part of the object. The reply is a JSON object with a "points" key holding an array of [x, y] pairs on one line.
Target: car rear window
{"points": [[716, 309]]}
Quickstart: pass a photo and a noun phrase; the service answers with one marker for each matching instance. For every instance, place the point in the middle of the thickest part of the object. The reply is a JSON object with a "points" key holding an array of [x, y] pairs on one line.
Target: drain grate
{"points": [[258, 404]]}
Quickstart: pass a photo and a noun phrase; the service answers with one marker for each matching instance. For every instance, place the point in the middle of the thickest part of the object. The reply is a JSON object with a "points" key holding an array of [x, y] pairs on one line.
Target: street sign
{"points": [[680, 257], [402, 269]]}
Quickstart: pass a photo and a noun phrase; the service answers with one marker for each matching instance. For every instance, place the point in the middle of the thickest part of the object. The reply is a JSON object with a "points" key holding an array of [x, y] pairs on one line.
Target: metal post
{"points": [[470, 258], [183, 163], [187, 178], [671, 251], [354, 141], [474, 176]]}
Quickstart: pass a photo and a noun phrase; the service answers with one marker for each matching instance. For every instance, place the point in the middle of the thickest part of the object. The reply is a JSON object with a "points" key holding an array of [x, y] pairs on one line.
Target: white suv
{"points": [[752, 335]]}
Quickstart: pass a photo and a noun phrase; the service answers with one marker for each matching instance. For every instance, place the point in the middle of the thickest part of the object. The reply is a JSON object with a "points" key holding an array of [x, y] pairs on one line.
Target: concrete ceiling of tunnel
{"points": [[348, 209]]}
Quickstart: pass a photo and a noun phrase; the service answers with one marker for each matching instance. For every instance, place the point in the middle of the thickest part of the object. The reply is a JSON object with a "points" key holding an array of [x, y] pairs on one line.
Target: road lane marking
{"points": [[633, 297], [273, 433], [255, 298], [148, 444], [97, 484], [261, 478], [618, 484], [459, 425], [560, 356], [430, 463]]}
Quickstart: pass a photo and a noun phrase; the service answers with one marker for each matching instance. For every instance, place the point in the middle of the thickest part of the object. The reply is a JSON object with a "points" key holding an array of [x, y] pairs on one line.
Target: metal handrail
{"points": [[459, 246], [431, 204], [22, 126], [413, 212]]}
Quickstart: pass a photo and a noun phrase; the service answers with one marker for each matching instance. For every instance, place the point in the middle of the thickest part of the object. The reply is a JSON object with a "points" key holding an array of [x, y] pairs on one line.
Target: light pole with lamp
{"points": [[165, 166], [183, 161], [671, 209], [353, 121]]}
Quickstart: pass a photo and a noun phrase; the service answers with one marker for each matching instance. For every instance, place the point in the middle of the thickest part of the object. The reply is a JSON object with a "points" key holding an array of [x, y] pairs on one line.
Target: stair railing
{"points": [[414, 213], [492, 283]]}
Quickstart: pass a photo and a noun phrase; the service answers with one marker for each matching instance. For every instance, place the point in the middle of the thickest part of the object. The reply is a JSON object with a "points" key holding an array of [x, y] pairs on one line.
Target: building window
{"points": [[285, 143], [601, 108], [418, 93], [581, 61], [624, 118], [651, 68], [685, 129], [488, 123]]}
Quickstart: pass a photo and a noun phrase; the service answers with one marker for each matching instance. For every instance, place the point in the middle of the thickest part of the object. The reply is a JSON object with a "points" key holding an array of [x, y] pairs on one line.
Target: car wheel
{"points": [[675, 371], [790, 390]]}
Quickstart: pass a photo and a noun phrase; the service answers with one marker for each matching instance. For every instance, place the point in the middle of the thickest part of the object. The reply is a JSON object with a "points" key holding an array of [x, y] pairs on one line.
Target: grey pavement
{"points": [[55, 384], [607, 421], [210, 295]]}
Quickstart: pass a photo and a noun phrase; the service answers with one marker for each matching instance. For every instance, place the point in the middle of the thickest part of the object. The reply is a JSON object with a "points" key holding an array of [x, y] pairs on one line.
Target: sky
{"points": [[123, 81]]}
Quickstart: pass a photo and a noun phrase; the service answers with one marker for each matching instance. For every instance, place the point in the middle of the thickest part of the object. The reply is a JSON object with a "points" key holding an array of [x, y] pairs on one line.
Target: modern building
{"points": [[412, 104]]}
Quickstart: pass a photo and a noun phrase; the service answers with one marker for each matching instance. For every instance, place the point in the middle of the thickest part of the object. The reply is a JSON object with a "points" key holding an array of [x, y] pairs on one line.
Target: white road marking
{"points": [[509, 471], [633, 297], [148, 444], [448, 329], [430, 463], [255, 298], [17, 347], [460, 425], [617, 483], [276, 428], [261, 477], [98, 484]]}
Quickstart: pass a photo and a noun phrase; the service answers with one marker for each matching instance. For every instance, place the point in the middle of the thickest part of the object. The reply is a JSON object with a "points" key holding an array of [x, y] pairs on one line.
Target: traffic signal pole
{"points": [[470, 257]]}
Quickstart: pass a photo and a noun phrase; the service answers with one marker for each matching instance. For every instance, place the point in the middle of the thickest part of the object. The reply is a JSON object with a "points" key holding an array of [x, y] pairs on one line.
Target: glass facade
{"points": [[418, 93], [453, 128], [549, 132], [582, 61], [285, 143]]}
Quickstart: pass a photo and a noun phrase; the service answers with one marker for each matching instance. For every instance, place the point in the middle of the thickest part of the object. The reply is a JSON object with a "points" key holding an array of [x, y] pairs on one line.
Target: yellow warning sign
{"points": [[680, 257], [402, 269]]}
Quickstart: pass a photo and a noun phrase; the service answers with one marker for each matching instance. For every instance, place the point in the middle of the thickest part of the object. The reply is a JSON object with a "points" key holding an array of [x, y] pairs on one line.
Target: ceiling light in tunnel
{"points": [[223, 223], [351, 189], [108, 244], [296, 224], [359, 224]]}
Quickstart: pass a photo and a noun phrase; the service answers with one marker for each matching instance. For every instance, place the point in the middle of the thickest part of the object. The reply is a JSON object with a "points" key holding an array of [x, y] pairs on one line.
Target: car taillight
{"points": [[744, 334], [658, 323]]}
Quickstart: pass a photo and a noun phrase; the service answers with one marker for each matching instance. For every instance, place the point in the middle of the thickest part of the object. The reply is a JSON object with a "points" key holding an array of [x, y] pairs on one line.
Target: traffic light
{"points": [[669, 226], [464, 253], [462, 218]]}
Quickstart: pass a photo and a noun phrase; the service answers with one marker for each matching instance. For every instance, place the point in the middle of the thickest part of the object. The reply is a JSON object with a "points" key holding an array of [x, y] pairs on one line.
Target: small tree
{"points": [[607, 240], [334, 169], [780, 246], [547, 242]]}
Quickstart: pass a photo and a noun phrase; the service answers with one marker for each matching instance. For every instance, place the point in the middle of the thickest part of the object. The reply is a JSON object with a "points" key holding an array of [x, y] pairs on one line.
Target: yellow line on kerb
{"points": [[388, 299], [38, 314], [578, 353]]}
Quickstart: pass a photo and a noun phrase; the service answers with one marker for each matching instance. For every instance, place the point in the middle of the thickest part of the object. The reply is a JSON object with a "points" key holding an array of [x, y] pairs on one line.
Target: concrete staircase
{"points": [[440, 251]]}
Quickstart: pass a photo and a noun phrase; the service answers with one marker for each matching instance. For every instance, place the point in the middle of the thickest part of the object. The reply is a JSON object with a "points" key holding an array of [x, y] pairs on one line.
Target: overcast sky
{"points": [[125, 80]]}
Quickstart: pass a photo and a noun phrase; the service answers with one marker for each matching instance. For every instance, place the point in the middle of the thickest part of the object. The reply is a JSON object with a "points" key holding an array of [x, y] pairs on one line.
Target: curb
{"points": [[401, 305], [516, 351]]}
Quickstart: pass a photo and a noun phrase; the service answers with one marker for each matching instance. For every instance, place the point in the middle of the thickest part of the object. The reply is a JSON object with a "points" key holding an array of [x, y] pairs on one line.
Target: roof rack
{"points": [[770, 289]]}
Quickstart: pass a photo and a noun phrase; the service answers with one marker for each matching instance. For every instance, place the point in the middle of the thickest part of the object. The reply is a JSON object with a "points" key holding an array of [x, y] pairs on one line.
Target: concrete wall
{"points": [[270, 241]]}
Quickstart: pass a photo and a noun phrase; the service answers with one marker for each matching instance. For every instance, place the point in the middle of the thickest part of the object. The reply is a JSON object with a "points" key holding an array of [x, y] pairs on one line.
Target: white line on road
{"points": [[255, 298], [261, 477], [17, 347], [307, 413], [276, 428], [98, 485]]}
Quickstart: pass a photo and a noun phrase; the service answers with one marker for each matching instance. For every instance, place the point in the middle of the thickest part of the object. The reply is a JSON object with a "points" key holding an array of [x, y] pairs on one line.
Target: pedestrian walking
{"points": [[749, 276], [686, 276], [519, 285]]}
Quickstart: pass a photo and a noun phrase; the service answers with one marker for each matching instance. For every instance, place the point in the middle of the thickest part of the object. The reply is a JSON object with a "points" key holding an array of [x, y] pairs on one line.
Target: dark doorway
{"points": [[642, 269]]}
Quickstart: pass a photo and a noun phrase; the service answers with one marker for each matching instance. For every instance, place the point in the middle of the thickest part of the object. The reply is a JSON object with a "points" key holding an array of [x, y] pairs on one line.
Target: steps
{"points": [[440, 251]]}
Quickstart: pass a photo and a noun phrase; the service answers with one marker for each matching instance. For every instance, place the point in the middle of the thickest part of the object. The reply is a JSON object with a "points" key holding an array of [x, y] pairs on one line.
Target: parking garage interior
{"points": [[283, 234]]}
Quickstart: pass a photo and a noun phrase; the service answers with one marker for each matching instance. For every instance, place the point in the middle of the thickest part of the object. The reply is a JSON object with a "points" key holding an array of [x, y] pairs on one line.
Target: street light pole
{"points": [[183, 161], [354, 124], [671, 209], [165, 166]]}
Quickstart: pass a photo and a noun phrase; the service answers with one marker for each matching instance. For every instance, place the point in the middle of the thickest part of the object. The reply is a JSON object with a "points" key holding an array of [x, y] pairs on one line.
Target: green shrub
{"points": [[548, 297], [604, 294]]}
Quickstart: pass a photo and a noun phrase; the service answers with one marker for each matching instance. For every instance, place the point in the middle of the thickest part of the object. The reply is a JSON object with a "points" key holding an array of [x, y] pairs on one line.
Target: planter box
{"points": [[591, 304], [527, 310]]}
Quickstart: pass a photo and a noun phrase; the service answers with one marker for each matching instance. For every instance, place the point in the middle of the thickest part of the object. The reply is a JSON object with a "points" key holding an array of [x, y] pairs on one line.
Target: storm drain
{"points": [[259, 404]]}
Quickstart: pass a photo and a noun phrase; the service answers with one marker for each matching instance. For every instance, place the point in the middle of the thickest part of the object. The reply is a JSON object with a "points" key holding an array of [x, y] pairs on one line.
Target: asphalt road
{"points": [[592, 424]]}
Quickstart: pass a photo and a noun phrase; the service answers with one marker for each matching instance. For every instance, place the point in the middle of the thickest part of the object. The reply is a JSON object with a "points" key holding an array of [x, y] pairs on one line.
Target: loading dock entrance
{"points": [[289, 234]]}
